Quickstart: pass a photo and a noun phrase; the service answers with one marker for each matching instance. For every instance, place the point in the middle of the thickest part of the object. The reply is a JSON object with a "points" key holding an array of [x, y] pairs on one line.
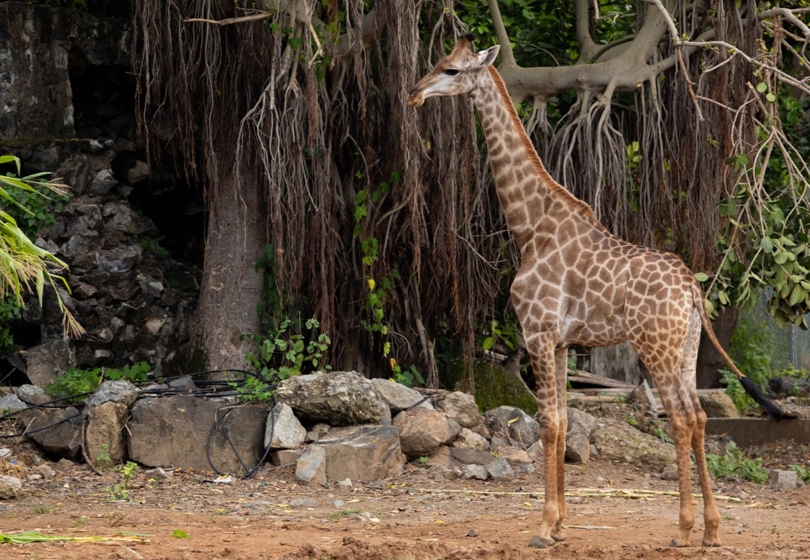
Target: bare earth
{"points": [[417, 515]]}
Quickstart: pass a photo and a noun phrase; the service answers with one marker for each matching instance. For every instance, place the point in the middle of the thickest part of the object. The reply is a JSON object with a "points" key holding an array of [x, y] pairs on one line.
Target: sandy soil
{"points": [[417, 515]]}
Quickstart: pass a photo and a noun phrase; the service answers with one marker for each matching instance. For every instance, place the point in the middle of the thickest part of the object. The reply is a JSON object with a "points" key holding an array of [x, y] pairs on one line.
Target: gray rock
{"points": [[512, 423], [470, 456], [284, 457], [317, 432], [788, 386], [422, 431], [150, 286], [478, 472], [47, 360], [577, 448], [105, 436], [618, 441], [339, 398], [514, 455], [283, 430], [183, 383], [535, 451], [580, 421], [123, 392], [670, 472], [345, 483], [64, 438], [470, 440], [311, 466], [44, 471], [783, 480], [302, 502], [499, 469], [643, 397], [102, 183], [10, 487], [718, 404], [74, 172], [397, 396], [138, 173], [460, 407], [11, 403], [28, 392], [442, 456], [362, 453], [173, 431]]}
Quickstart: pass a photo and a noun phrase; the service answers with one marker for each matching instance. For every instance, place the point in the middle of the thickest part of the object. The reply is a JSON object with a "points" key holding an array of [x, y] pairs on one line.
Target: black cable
{"points": [[27, 432], [219, 422]]}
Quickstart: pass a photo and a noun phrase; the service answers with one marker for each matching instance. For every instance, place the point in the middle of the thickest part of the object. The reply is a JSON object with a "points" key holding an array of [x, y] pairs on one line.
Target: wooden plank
{"points": [[585, 378]]}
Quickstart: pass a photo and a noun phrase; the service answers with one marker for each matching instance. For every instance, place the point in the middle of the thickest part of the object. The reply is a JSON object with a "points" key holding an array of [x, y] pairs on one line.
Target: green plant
{"points": [[120, 491], [424, 460], [751, 349], [801, 472], [282, 354], [344, 512], [104, 455], [42, 510], [153, 246], [734, 463], [77, 381]]}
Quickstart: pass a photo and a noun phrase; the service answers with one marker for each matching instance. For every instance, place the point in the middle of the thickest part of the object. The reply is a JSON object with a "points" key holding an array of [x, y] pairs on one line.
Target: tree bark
{"points": [[226, 317], [709, 359]]}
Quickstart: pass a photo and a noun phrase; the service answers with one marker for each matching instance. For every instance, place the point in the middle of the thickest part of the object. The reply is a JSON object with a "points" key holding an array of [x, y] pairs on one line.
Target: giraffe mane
{"points": [[556, 188]]}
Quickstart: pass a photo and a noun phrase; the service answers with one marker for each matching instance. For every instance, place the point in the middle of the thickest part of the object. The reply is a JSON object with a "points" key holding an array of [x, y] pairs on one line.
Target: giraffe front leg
{"points": [[561, 373], [541, 349], [711, 515], [683, 425]]}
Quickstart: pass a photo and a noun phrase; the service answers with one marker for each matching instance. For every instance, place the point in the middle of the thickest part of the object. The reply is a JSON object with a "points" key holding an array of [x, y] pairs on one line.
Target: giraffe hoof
{"points": [[540, 542], [558, 537], [677, 543], [712, 542]]}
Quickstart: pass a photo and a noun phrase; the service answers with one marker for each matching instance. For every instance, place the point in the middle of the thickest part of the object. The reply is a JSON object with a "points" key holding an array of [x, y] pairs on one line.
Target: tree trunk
{"points": [[231, 288], [709, 359]]}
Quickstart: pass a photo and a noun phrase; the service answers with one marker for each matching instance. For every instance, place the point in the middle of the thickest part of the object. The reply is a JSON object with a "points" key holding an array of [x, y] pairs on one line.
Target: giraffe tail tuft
{"points": [[767, 404]]}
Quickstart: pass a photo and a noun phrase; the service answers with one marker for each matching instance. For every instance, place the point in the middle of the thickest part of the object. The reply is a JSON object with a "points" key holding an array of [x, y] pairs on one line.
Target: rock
{"points": [[494, 385], [786, 386], [11, 403], [338, 398], [74, 172], [499, 469], [317, 432], [284, 457], [159, 473], [783, 480], [514, 424], [283, 430], [514, 455], [47, 360], [470, 456], [27, 392], [670, 472], [10, 487], [470, 440], [443, 456], [302, 502], [618, 441], [183, 383], [718, 404], [173, 431], [44, 471], [472, 533], [643, 397], [64, 438], [102, 183], [138, 173], [105, 438], [577, 447], [123, 392], [478, 472], [422, 431], [580, 421], [460, 407], [365, 453], [536, 451], [397, 396], [345, 483], [311, 466], [150, 286]]}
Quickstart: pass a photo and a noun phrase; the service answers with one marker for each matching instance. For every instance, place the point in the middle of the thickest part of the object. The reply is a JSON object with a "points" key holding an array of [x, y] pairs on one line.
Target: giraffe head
{"points": [[455, 74]]}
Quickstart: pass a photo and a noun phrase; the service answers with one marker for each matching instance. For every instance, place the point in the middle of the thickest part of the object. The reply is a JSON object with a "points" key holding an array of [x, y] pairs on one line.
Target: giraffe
{"points": [[579, 284]]}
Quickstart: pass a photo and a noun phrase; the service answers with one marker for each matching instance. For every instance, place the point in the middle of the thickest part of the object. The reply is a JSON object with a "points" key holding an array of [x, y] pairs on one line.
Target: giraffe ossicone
{"points": [[579, 284]]}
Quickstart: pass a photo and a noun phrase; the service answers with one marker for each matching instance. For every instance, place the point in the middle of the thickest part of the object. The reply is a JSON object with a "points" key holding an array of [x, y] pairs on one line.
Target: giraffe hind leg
{"points": [[561, 364]]}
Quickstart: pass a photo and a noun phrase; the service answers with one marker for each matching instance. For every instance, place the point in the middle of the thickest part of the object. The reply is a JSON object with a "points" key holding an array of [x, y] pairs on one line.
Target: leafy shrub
{"points": [[734, 463], [77, 381]]}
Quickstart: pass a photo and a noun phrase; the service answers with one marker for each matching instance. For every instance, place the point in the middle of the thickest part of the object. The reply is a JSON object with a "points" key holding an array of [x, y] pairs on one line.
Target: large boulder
{"points": [[618, 441], [123, 392], [514, 425], [283, 430], [338, 398], [105, 437], [173, 432], [718, 404], [397, 396], [56, 430], [365, 453], [423, 431], [46, 361], [459, 406]]}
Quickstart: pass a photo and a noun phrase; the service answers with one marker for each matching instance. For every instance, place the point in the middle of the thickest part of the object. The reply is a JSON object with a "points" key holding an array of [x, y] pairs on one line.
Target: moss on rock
{"points": [[494, 386]]}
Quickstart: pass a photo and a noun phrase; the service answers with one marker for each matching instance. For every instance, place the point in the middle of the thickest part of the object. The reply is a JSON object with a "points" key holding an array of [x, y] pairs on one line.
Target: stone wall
{"points": [[67, 106]]}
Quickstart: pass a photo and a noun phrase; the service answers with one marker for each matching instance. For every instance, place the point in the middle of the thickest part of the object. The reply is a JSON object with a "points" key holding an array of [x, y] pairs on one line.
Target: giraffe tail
{"points": [[769, 406]]}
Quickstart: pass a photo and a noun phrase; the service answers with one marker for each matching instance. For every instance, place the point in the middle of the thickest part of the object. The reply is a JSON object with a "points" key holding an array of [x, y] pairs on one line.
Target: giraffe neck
{"points": [[527, 193]]}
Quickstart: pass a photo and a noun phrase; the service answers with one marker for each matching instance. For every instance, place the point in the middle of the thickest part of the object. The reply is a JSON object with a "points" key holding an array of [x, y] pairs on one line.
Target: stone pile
{"points": [[329, 427]]}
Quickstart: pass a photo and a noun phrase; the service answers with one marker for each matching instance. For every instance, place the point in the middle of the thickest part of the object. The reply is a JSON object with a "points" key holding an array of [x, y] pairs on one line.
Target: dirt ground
{"points": [[418, 515]]}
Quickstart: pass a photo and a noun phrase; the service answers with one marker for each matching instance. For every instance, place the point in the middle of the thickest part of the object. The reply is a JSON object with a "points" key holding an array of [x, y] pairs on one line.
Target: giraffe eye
{"points": [[451, 71]]}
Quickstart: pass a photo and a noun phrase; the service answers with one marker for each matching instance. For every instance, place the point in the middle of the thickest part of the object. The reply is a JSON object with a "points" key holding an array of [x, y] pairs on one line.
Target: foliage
{"points": [[9, 309], [77, 381], [752, 350], [22, 263], [282, 354], [802, 472], [120, 491], [734, 463]]}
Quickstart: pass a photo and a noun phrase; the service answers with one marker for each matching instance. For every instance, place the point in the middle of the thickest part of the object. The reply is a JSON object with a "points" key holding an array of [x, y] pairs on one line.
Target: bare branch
{"points": [[587, 46], [507, 56]]}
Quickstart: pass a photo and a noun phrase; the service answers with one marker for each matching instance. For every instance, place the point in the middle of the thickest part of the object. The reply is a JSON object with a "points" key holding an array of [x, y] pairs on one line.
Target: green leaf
{"points": [[766, 244], [770, 97], [701, 276], [178, 534], [488, 343], [762, 87]]}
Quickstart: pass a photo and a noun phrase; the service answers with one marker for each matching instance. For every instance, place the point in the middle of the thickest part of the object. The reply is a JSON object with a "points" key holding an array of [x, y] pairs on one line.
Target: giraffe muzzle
{"points": [[415, 98]]}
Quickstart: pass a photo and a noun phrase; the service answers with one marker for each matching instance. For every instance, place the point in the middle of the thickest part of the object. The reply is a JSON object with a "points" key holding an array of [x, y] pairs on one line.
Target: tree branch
{"points": [[507, 56], [587, 46]]}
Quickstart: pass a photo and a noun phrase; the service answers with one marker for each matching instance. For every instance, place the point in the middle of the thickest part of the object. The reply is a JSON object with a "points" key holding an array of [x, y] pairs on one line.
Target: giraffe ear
{"points": [[487, 57]]}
